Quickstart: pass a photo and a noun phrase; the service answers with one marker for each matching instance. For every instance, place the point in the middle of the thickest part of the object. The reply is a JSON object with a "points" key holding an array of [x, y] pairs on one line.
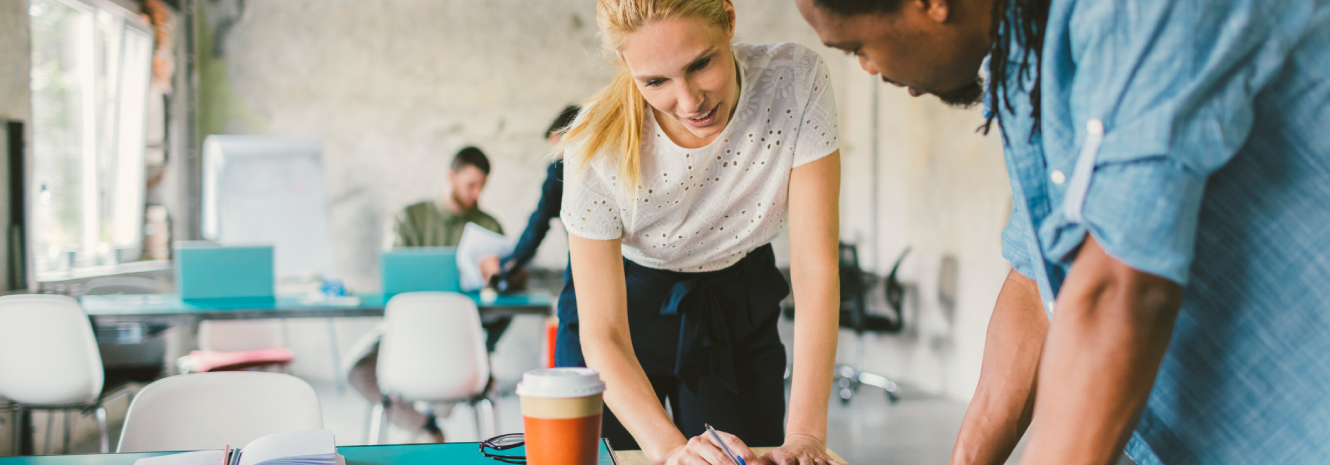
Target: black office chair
{"points": [[854, 314]]}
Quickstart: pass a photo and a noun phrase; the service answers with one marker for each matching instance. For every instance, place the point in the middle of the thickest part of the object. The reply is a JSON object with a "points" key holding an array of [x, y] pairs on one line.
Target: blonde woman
{"points": [[679, 175]]}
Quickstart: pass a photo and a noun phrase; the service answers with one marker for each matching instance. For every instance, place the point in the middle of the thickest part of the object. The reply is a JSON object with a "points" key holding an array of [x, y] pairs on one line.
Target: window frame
{"points": [[99, 183]]}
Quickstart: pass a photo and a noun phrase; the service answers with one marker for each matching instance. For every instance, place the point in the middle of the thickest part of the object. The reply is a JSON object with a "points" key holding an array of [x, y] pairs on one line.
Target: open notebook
{"points": [[312, 447]]}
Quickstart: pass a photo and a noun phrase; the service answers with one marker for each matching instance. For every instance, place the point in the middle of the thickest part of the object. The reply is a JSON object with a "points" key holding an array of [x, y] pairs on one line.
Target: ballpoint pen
{"points": [[737, 459]]}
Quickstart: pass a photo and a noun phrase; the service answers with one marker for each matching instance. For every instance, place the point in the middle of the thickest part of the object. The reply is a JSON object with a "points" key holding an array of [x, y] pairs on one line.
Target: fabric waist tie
{"points": [[706, 340]]}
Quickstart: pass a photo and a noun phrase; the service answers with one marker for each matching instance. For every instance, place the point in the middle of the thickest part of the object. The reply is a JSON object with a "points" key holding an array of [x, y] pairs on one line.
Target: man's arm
{"points": [[1111, 327], [1003, 403], [551, 198]]}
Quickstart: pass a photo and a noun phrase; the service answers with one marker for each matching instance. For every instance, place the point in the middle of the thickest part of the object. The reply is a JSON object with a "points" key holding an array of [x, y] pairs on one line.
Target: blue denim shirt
{"points": [[1191, 138]]}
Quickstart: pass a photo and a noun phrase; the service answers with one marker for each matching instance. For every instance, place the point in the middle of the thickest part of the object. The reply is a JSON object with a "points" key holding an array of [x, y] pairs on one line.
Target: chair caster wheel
{"points": [[892, 397]]}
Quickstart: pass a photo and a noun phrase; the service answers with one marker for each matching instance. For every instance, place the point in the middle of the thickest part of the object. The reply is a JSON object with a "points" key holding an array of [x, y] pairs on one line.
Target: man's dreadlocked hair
{"points": [[1025, 23]]}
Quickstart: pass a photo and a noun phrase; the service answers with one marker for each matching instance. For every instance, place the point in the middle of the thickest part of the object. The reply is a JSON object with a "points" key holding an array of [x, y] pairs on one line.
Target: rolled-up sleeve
{"points": [[1173, 84], [1016, 242]]}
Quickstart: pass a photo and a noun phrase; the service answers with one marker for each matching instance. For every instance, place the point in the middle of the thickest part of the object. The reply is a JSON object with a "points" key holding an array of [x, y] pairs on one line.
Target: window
{"points": [[91, 63]]}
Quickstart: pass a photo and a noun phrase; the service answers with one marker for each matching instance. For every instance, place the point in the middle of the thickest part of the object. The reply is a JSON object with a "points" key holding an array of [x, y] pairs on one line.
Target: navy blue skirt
{"points": [[708, 343]]}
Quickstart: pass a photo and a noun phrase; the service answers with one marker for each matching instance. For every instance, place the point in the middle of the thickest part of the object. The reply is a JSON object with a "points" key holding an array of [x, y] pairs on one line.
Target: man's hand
{"points": [[799, 449], [489, 266]]}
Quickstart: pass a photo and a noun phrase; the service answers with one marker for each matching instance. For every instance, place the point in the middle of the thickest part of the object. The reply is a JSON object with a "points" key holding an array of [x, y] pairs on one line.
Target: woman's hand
{"points": [[799, 449], [704, 449]]}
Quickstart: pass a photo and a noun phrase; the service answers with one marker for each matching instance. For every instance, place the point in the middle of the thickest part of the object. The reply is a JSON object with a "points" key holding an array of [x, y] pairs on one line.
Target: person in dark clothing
{"points": [[551, 198]]}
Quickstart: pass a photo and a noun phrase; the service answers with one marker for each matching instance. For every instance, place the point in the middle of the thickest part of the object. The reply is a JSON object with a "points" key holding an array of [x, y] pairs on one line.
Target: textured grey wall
{"points": [[395, 87], [15, 98], [15, 53]]}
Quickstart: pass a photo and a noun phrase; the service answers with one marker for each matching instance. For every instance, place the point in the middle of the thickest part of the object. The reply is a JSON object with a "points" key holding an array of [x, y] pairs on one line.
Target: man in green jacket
{"points": [[439, 223]]}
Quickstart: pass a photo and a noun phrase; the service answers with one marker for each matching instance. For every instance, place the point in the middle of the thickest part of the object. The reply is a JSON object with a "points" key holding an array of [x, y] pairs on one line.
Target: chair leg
{"points": [[375, 422], [475, 412], [336, 356], [18, 428], [379, 429], [50, 431], [489, 413], [492, 402], [68, 431], [104, 435]]}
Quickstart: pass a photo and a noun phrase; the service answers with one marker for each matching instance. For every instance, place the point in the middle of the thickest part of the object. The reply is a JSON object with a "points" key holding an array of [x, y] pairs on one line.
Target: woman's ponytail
{"points": [[610, 124]]}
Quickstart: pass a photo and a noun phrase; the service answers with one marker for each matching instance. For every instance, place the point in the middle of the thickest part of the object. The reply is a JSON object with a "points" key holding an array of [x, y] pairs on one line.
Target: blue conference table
{"points": [[457, 453], [171, 309]]}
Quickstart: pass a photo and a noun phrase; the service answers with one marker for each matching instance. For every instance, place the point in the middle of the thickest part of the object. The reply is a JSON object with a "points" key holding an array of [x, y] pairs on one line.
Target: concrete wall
{"points": [[15, 104], [15, 97], [394, 88]]}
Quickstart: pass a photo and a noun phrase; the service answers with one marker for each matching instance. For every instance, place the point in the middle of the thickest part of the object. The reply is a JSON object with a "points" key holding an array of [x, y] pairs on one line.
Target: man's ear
{"points": [[937, 10]]}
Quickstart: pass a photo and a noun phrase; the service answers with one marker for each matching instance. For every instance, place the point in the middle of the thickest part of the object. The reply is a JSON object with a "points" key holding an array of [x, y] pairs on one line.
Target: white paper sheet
{"points": [[203, 457], [311, 447], [477, 243]]}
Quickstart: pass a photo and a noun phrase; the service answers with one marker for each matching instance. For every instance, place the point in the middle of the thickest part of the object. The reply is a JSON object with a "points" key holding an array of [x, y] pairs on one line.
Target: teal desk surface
{"points": [[110, 309], [457, 453]]}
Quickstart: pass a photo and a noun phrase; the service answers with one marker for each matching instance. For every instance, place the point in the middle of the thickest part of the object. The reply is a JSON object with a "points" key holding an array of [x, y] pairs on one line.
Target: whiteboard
{"points": [[263, 190]]}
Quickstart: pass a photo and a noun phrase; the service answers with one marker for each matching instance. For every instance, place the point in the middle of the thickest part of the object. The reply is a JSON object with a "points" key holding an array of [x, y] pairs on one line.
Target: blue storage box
{"points": [[204, 270], [418, 269]]}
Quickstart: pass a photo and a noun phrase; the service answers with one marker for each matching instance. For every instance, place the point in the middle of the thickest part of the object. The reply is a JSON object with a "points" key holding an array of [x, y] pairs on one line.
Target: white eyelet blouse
{"points": [[705, 209]]}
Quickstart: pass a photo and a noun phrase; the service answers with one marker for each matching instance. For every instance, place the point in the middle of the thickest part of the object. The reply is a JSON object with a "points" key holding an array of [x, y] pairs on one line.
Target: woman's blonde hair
{"points": [[611, 121]]}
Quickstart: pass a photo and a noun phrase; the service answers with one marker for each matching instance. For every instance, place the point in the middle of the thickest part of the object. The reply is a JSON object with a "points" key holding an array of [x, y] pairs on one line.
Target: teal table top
{"points": [[457, 453], [126, 308]]}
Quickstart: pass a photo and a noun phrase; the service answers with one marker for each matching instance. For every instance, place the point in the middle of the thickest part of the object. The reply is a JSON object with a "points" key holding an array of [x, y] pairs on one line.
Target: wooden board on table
{"points": [[636, 457]]}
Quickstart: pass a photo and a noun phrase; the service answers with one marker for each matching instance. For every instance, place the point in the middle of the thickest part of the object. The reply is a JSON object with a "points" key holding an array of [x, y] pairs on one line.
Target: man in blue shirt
{"points": [[1170, 170], [551, 197]]}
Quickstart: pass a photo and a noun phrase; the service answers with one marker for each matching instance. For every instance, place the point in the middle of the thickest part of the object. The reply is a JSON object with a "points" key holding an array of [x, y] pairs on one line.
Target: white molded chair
{"points": [[240, 335], [212, 410], [121, 285], [251, 343], [49, 360], [433, 350]]}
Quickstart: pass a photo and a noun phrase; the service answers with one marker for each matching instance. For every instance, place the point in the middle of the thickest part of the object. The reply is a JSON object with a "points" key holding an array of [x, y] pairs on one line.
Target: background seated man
{"points": [[430, 223], [439, 222]]}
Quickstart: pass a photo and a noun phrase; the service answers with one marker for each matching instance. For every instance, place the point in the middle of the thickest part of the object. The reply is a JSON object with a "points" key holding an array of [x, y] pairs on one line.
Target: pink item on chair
{"points": [[202, 361]]}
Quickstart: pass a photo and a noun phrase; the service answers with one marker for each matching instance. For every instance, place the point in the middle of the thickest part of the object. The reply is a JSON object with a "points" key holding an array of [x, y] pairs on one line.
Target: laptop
{"points": [[207, 271], [418, 269]]}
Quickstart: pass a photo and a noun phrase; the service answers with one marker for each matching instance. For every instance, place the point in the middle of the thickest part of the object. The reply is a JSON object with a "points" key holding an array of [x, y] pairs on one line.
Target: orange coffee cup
{"points": [[561, 410]]}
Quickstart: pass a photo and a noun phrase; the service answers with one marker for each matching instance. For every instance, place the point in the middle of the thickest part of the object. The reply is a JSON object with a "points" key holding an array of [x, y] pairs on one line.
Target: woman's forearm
{"points": [[817, 299], [815, 274], [607, 345], [631, 397]]}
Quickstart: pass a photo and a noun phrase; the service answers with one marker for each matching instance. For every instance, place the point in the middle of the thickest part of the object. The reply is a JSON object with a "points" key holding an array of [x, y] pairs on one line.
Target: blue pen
{"points": [[737, 459]]}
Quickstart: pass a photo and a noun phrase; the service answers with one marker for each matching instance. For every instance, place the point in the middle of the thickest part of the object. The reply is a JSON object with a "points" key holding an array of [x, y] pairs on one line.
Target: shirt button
{"points": [[1058, 177]]}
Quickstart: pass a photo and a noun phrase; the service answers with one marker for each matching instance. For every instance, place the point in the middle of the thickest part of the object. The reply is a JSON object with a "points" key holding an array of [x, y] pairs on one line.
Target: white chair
{"points": [[240, 335], [433, 351], [233, 345], [49, 360], [121, 285], [213, 410]]}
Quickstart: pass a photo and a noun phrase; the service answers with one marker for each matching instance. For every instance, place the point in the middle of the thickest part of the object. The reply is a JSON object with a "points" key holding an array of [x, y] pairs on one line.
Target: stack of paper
{"points": [[476, 244]]}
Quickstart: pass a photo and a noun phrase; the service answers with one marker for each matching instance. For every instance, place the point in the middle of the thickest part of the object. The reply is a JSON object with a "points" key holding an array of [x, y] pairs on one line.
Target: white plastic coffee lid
{"points": [[559, 383]]}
